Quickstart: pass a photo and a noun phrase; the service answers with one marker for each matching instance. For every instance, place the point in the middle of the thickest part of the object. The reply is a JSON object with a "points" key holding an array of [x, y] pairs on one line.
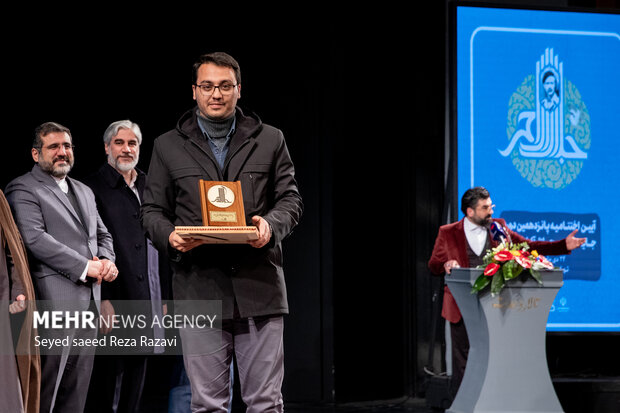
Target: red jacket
{"points": [[451, 244]]}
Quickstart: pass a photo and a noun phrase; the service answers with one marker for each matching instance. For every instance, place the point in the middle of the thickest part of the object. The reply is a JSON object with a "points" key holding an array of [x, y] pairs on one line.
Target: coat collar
{"points": [[114, 179], [241, 144]]}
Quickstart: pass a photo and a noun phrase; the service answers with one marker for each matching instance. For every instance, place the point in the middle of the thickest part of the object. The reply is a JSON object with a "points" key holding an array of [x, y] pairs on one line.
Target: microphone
{"points": [[497, 232]]}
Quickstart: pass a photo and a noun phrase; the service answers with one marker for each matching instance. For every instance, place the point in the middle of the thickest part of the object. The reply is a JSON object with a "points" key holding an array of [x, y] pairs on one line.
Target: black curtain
{"points": [[360, 96]]}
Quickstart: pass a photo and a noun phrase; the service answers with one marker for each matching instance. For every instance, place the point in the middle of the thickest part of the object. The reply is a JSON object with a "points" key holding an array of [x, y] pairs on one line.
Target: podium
{"points": [[507, 364]]}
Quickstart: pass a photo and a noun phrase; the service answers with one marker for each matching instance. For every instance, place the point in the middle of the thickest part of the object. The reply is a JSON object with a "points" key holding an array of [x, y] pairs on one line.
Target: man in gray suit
{"points": [[70, 253]]}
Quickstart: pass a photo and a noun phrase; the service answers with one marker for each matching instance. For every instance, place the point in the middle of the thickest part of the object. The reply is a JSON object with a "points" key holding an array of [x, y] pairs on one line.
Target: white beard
{"points": [[122, 166]]}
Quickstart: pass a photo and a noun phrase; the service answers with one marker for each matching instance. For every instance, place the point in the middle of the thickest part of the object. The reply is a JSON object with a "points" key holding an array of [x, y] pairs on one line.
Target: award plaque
{"points": [[223, 215], [222, 204]]}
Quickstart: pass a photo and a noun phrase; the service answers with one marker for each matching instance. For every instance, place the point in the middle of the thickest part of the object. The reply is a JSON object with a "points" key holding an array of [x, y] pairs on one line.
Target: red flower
{"points": [[503, 255], [523, 261], [491, 269], [546, 263]]}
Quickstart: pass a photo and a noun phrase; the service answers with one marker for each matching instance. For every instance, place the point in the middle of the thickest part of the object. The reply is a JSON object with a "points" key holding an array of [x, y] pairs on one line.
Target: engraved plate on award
{"points": [[222, 204]]}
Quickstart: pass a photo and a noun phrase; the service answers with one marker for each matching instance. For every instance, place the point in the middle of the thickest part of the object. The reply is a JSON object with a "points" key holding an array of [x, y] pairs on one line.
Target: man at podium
{"points": [[464, 244]]}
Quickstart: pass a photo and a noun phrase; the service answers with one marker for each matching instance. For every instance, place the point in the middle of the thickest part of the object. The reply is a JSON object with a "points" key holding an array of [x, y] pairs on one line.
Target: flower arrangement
{"points": [[507, 261]]}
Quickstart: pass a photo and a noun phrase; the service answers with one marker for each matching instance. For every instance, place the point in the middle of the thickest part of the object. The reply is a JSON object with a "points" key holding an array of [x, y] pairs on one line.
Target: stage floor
{"points": [[398, 406]]}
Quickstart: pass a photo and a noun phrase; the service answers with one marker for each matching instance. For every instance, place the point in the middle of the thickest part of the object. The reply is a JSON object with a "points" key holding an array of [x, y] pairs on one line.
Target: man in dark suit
{"points": [[217, 141], [464, 244], [70, 252], [117, 382]]}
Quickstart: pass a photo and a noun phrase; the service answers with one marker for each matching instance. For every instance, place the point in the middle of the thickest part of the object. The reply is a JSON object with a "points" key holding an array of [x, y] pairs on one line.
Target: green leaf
{"points": [[511, 269], [536, 275], [481, 282], [498, 283]]}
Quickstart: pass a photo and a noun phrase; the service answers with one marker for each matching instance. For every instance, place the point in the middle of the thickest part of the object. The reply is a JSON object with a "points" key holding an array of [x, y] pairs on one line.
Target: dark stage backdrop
{"points": [[360, 97], [363, 122]]}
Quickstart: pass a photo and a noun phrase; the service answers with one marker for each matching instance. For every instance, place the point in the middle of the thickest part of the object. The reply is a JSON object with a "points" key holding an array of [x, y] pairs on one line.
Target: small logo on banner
{"points": [[548, 126]]}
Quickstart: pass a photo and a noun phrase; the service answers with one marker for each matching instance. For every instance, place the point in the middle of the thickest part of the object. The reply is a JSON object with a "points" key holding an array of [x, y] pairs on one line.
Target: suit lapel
{"points": [[50, 183], [89, 226], [82, 200], [461, 241]]}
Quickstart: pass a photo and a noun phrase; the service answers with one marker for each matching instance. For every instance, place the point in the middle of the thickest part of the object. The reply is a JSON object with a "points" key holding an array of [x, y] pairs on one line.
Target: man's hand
{"points": [[94, 269], [102, 270], [107, 315], [264, 232], [18, 305], [109, 272], [573, 242], [448, 265], [183, 244]]}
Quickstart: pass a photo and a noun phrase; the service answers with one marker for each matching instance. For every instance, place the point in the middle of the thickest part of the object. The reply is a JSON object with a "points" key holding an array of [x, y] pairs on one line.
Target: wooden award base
{"points": [[220, 235]]}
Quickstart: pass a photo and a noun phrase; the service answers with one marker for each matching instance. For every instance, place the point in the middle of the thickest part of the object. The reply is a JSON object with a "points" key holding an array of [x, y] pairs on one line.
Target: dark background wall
{"points": [[360, 97]]}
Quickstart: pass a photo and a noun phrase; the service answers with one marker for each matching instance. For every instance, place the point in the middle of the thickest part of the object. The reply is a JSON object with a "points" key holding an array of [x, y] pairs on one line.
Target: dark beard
{"points": [[56, 171], [483, 222]]}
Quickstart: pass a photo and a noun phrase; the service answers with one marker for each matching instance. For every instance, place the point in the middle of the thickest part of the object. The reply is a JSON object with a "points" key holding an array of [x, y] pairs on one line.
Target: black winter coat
{"points": [[258, 157], [120, 211]]}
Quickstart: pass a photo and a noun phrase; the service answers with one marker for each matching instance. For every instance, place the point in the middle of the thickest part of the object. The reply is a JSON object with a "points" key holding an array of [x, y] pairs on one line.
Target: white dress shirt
{"points": [[476, 236], [132, 184], [62, 183]]}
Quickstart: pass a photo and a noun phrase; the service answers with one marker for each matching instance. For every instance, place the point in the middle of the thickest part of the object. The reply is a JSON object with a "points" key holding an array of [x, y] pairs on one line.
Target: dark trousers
{"points": [[460, 350], [65, 377], [66, 394], [116, 384], [66, 367]]}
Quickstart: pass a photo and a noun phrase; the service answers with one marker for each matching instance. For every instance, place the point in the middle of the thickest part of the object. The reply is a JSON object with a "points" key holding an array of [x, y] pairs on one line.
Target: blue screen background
{"points": [[496, 51]]}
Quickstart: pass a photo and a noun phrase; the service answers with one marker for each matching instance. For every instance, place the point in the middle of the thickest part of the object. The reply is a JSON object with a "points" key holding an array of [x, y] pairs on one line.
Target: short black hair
{"points": [[472, 196], [218, 59], [45, 129]]}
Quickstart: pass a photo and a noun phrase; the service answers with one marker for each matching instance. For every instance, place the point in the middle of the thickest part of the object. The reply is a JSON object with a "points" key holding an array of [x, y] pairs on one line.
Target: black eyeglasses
{"points": [[208, 89]]}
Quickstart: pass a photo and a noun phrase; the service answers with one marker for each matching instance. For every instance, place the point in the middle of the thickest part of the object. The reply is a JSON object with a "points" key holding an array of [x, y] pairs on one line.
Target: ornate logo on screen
{"points": [[548, 126]]}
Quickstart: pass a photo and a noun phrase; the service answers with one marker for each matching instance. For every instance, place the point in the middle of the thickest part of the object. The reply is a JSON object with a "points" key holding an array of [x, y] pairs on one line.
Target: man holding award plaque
{"points": [[225, 165]]}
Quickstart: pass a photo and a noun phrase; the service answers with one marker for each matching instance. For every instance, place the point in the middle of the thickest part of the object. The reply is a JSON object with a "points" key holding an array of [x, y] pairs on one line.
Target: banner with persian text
{"points": [[537, 125]]}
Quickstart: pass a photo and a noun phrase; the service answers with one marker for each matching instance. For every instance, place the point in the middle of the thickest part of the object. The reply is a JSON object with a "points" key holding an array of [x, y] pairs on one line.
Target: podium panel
{"points": [[507, 363]]}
